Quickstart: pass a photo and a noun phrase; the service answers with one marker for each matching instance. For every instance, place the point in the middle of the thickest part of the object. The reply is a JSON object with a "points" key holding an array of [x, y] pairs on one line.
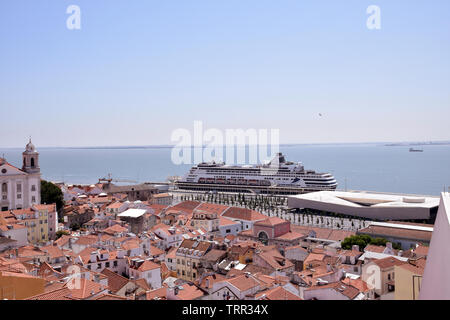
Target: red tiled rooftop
{"points": [[243, 214]]}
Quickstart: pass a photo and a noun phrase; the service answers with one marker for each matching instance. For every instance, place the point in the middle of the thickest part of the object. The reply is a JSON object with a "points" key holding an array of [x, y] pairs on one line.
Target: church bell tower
{"points": [[30, 159]]}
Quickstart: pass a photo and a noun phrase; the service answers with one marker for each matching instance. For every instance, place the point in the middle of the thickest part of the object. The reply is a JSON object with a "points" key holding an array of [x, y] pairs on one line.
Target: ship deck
{"points": [[245, 188]]}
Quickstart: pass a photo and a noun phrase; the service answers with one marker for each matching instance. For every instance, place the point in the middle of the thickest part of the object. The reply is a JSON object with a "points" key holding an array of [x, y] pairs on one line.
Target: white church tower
{"points": [[30, 159], [20, 188]]}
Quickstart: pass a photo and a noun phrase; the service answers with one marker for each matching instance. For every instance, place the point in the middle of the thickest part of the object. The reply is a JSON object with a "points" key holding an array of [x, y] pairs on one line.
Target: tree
{"points": [[362, 241], [51, 193], [60, 233], [75, 226]]}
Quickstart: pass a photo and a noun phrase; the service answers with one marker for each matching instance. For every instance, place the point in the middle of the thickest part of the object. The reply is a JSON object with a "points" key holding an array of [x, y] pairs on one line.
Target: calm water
{"points": [[360, 167]]}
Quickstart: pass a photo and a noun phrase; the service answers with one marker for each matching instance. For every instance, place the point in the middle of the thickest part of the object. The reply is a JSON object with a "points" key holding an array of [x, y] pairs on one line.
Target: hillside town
{"points": [[136, 242]]}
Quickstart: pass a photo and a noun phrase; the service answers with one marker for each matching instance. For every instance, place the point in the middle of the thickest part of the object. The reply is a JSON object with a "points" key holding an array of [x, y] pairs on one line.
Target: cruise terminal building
{"points": [[368, 205]]}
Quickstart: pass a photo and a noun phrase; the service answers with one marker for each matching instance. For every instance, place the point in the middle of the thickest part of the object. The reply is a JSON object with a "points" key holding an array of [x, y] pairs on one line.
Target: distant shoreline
{"points": [[410, 144], [387, 144]]}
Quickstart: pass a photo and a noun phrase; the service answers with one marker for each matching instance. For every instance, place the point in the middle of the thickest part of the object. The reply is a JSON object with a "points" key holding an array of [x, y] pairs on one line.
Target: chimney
{"points": [[207, 283], [389, 245], [355, 247]]}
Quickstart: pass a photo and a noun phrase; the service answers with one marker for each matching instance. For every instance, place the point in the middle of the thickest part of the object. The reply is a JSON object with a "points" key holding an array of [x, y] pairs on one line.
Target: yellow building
{"points": [[188, 257], [408, 280], [243, 251], [42, 228], [206, 220], [36, 222]]}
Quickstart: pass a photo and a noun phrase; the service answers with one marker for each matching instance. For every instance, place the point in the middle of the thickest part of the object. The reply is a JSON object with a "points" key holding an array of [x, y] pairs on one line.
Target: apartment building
{"points": [[188, 256]]}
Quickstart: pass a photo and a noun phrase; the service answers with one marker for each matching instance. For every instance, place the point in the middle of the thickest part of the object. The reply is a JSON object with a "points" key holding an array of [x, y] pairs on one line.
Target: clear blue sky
{"points": [[139, 69]]}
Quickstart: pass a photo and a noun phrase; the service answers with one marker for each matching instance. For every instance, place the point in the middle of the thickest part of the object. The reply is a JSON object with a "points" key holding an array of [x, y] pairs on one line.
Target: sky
{"points": [[138, 70]]}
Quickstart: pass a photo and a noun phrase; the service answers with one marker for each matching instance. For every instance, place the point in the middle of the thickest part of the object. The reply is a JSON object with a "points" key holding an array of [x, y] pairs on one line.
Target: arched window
{"points": [[263, 237], [32, 162], [5, 187]]}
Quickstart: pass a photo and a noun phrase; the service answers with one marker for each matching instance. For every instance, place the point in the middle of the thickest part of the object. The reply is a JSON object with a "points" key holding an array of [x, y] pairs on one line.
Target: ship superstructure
{"points": [[276, 173]]}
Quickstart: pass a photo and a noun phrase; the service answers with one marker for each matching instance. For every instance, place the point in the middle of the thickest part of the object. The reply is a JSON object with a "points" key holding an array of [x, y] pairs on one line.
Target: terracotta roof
{"points": [[148, 265], [211, 208], [52, 286], [45, 270], [115, 281], [11, 226], [28, 213], [115, 205], [243, 214], [87, 289], [275, 259], [272, 221], [357, 283], [115, 229], [131, 244], [418, 270], [388, 262], [208, 281], [243, 282], [314, 257], [157, 208], [108, 296], [421, 250], [298, 247], [227, 222], [189, 292], [172, 253], [86, 240], [277, 293], [62, 241], [374, 248], [58, 294], [154, 251], [187, 206], [214, 255], [48, 207], [340, 287], [53, 251], [324, 233], [401, 233], [143, 284], [158, 293], [289, 236], [201, 246]]}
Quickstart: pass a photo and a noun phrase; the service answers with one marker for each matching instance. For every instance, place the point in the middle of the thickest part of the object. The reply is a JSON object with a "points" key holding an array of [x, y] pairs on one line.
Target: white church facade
{"points": [[20, 188]]}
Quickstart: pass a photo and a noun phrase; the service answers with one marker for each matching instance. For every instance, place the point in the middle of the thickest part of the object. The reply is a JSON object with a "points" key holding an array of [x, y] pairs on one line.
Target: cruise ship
{"points": [[277, 174]]}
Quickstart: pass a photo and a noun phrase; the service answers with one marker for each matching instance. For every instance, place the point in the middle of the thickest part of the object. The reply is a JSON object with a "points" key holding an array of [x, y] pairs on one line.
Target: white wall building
{"points": [[15, 232], [20, 188], [228, 226], [147, 270], [372, 205]]}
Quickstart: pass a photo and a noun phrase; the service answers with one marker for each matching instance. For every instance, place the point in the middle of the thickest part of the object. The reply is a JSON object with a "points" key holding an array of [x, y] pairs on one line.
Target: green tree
{"points": [[60, 233], [51, 193], [362, 241], [75, 226]]}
